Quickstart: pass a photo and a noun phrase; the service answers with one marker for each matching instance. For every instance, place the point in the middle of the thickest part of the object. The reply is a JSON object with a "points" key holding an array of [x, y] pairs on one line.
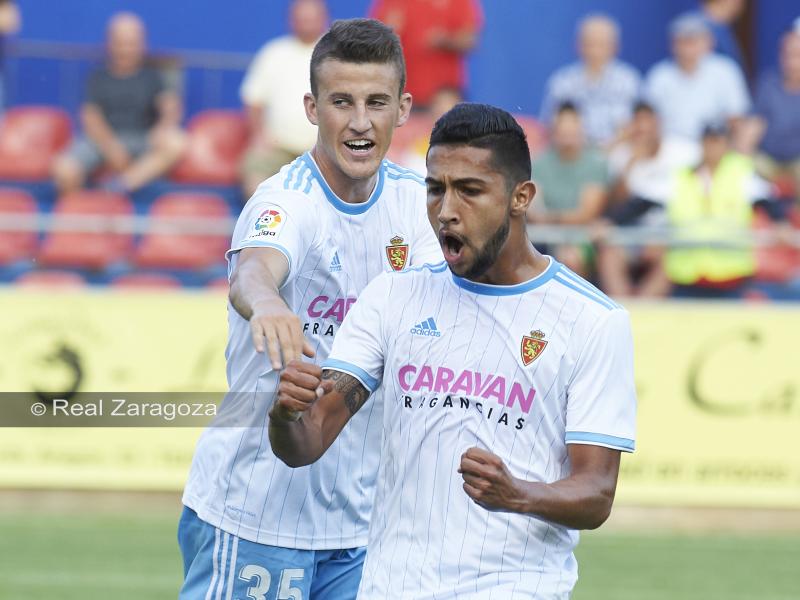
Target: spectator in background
{"points": [[130, 118], [571, 184], [419, 130], [696, 86], [9, 23], [775, 128], [436, 37], [720, 15], [713, 203], [602, 87], [272, 92], [642, 171]]}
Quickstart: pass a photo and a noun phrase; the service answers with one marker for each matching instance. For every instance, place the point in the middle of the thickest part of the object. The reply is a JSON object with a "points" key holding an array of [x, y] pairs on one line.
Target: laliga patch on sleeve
{"points": [[268, 225]]}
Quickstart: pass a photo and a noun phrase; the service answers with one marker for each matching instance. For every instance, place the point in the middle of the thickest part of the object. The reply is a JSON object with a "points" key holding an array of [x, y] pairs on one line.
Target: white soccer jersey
{"points": [[334, 250], [521, 371]]}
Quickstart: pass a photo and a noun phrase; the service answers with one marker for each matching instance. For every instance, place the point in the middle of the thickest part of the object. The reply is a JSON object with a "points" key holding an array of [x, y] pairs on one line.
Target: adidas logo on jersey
{"points": [[427, 328], [335, 264]]}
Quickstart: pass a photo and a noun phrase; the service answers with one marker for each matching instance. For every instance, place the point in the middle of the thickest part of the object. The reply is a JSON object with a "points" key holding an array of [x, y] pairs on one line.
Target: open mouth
{"points": [[363, 146], [452, 246]]}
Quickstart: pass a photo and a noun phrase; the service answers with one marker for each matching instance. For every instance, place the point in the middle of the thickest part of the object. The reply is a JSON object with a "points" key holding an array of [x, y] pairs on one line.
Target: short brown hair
{"points": [[359, 41]]}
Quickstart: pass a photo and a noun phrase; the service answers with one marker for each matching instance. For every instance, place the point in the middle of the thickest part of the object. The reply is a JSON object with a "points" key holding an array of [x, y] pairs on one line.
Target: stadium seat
{"points": [[535, 131], [171, 247], [53, 278], [217, 140], [219, 283], [89, 249], [30, 138], [146, 281], [779, 263], [16, 245], [416, 131]]}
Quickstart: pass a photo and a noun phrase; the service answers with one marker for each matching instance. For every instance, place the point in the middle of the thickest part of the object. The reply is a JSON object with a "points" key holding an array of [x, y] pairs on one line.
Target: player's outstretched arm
{"points": [[311, 409], [580, 501], [254, 293]]}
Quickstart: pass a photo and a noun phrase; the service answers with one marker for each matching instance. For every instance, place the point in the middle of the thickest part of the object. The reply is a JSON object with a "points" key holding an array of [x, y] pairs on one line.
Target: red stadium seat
{"points": [[177, 249], [16, 244], [146, 281], [30, 138], [61, 279], [220, 283], [535, 131], [779, 263], [415, 132], [217, 140], [89, 249]]}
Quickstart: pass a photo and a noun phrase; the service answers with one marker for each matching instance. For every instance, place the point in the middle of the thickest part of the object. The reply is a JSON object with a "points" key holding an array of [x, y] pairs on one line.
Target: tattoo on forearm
{"points": [[348, 386]]}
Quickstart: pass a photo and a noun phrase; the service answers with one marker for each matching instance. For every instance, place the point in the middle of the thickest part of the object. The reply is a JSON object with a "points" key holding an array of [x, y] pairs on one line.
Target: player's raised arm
{"points": [[254, 293], [314, 403], [312, 407]]}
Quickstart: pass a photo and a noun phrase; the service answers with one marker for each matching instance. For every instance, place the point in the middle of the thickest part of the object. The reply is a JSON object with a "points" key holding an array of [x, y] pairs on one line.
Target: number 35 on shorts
{"points": [[259, 582]]}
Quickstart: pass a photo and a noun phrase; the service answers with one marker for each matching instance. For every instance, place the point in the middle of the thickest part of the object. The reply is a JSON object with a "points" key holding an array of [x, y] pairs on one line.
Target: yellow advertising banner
{"points": [[718, 385], [719, 406], [106, 341]]}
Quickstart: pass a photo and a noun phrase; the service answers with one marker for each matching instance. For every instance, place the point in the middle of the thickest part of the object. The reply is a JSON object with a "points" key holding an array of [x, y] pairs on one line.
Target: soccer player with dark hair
{"points": [[507, 389], [307, 243]]}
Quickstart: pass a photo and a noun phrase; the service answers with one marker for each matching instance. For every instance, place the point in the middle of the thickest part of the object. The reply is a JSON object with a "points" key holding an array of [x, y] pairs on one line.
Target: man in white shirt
{"points": [[306, 245], [507, 386], [601, 86], [272, 92], [697, 86]]}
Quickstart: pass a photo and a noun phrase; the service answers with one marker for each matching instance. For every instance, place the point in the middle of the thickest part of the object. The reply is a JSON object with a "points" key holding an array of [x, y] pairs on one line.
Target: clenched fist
{"points": [[300, 386], [489, 483]]}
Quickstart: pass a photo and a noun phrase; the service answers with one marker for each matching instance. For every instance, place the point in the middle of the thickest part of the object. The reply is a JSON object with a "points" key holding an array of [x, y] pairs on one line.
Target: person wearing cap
{"points": [[696, 86], [711, 211]]}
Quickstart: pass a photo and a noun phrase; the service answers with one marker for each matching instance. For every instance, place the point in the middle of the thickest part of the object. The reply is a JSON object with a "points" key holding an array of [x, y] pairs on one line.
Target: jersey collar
{"points": [[338, 203], [487, 289]]}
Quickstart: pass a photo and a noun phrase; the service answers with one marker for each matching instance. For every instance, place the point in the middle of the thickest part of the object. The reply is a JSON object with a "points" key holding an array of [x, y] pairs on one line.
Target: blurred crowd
{"points": [[657, 177]]}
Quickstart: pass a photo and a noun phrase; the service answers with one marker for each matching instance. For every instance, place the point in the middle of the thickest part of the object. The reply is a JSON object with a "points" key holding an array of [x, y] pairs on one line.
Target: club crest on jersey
{"points": [[397, 253], [532, 346]]}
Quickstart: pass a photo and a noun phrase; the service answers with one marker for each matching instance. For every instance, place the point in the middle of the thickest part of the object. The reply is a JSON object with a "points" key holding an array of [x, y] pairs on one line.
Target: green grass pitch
{"points": [[88, 557]]}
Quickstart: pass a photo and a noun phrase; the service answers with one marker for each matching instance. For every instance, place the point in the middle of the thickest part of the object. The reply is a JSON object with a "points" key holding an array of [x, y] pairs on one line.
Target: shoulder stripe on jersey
{"points": [[260, 244], [294, 166], [408, 176], [309, 183], [345, 367], [432, 267], [393, 165], [600, 439], [402, 171], [583, 291], [583, 283], [301, 175]]}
